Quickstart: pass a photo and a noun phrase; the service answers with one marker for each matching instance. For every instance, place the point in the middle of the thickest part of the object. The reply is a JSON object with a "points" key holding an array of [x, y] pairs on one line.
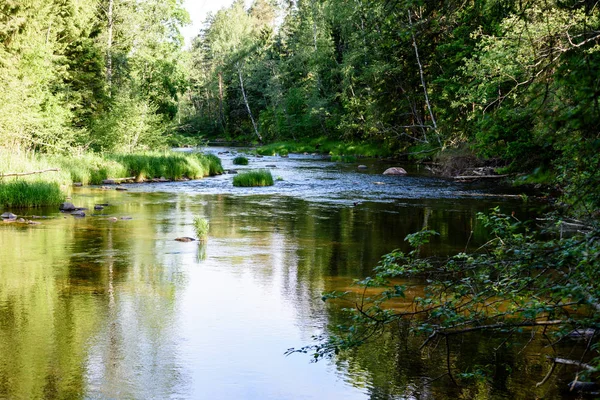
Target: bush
{"points": [[261, 177], [240, 160]]}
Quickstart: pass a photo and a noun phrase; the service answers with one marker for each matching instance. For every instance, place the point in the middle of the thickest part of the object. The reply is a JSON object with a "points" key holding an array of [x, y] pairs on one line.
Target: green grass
{"points": [[344, 158], [169, 165], [240, 160], [201, 225], [45, 189], [28, 194], [260, 177], [326, 146]]}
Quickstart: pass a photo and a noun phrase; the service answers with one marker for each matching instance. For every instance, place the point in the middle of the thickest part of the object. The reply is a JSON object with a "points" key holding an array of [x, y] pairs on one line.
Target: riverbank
{"points": [[34, 180]]}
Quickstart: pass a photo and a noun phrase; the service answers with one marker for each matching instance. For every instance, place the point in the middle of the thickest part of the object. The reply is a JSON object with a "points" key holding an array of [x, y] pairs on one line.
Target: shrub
{"points": [[261, 177], [240, 160]]}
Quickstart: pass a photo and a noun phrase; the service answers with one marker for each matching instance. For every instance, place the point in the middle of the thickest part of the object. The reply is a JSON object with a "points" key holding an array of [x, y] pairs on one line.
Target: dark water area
{"points": [[98, 309]]}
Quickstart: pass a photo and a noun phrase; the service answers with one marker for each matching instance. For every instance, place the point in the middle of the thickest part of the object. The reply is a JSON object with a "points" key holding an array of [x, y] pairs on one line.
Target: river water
{"points": [[91, 308]]}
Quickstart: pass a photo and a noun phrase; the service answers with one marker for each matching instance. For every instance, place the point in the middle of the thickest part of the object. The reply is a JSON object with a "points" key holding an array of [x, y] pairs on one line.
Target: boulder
{"points": [[8, 215], [362, 167], [67, 207], [395, 171], [185, 239]]}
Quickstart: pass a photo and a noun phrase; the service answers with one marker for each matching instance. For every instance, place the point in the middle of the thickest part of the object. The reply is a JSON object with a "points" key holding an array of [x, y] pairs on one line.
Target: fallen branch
{"points": [[129, 178], [28, 173], [573, 362]]}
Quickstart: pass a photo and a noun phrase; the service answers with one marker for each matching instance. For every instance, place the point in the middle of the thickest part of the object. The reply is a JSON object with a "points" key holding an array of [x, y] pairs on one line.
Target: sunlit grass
{"points": [[260, 177], [28, 194], [43, 189], [201, 225]]}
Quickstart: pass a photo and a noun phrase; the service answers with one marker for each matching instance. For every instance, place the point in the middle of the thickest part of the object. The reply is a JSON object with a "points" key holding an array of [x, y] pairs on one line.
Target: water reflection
{"points": [[91, 308]]}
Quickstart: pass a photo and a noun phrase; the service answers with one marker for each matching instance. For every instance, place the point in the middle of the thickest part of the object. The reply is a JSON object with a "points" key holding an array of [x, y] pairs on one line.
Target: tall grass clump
{"points": [[211, 163], [169, 165], [260, 177], [29, 194], [240, 160], [90, 169], [201, 225]]}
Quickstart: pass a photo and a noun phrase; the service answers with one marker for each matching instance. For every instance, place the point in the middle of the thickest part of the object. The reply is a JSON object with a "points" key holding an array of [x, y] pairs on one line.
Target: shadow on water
{"points": [[94, 308]]}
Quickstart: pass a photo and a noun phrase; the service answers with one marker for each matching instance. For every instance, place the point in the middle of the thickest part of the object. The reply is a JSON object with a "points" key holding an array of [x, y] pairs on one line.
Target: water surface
{"points": [[96, 309]]}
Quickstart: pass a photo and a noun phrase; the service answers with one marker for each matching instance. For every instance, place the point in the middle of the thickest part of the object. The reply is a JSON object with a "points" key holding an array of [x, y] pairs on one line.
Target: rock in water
{"points": [[395, 171], [67, 207], [185, 239], [362, 167], [98, 207], [78, 213], [8, 215], [120, 188]]}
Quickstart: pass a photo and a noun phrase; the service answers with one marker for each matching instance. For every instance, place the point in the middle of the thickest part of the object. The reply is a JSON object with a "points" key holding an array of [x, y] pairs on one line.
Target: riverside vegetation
{"points": [[260, 177], [39, 190]]}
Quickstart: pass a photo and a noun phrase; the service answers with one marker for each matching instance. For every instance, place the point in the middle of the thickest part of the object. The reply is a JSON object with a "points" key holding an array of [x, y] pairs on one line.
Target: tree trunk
{"points": [[423, 78], [239, 68], [109, 43], [221, 116]]}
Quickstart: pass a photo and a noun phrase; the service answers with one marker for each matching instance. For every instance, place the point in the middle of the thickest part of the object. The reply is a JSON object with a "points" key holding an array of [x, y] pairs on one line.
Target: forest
{"points": [[514, 84], [103, 89]]}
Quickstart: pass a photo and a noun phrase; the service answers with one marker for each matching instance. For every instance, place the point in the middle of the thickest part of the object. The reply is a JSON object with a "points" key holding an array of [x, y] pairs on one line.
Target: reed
{"points": [[29, 194], [260, 177], [201, 225]]}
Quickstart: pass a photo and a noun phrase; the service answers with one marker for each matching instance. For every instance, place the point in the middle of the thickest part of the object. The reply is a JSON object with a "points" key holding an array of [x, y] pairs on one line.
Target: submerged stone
{"points": [[362, 167], [8, 215], [185, 239], [67, 207], [395, 171]]}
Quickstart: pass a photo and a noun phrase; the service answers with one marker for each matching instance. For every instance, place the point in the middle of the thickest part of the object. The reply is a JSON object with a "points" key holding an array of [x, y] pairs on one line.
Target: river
{"points": [[91, 308]]}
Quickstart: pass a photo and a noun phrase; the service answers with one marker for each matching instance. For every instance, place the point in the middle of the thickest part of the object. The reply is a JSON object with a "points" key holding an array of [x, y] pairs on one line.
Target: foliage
{"points": [[261, 177], [240, 160], [73, 74], [516, 282], [201, 225]]}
